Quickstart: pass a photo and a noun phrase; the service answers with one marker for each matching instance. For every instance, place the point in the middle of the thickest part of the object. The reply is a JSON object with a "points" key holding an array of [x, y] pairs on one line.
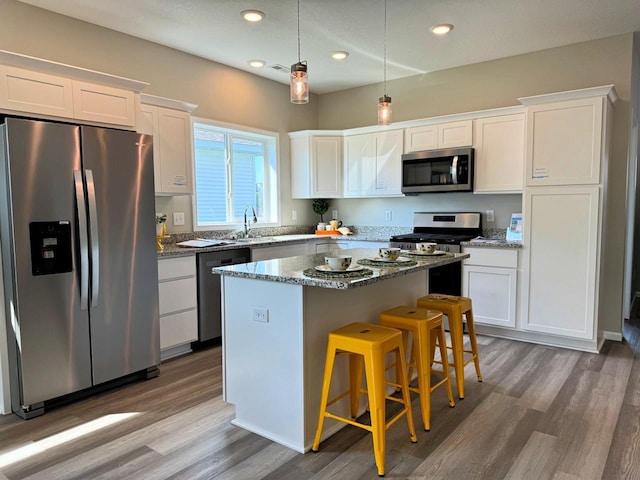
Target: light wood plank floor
{"points": [[541, 413]]}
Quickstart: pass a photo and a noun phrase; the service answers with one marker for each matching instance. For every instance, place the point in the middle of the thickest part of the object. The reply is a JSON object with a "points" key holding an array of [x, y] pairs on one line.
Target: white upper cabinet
{"points": [[442, 135], [44, 89], [372, 164], [499, 154], [35, 92], [316, 165], [99, 103], [564, 142], [172, 143]]}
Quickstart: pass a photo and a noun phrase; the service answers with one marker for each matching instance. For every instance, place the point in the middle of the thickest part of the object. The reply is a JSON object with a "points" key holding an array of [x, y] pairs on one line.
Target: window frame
{"points": [[272, 195]]}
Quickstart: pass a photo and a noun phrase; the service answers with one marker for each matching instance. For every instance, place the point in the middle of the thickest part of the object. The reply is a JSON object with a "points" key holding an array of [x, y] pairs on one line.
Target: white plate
{"points": [[385, 260], [418, 252], [352, 268]]}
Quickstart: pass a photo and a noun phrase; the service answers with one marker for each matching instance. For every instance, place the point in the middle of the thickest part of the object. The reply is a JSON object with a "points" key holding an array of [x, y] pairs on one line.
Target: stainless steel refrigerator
{"points": [[77, 231]]}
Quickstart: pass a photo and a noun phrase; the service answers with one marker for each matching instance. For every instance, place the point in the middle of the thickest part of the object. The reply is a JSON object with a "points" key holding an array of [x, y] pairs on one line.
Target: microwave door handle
{"points": [[454, 170], [82, 237], [93, 238]]}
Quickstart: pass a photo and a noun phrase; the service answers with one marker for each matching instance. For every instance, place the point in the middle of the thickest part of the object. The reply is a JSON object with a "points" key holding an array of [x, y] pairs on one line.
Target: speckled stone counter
{"points": [[491, 243], [275, 327], [290, 270]]}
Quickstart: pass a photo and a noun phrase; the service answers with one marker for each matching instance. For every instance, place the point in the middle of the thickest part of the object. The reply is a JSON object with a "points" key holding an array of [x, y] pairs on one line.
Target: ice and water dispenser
{"points": [[50, 247]]}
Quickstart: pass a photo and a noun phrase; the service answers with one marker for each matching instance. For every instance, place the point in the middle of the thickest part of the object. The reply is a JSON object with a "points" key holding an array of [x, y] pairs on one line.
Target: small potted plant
{"points": [[320, 206]]}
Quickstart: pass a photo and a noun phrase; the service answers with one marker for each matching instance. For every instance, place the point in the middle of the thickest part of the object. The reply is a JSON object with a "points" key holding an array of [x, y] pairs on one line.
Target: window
{"points": [[234, 169]]}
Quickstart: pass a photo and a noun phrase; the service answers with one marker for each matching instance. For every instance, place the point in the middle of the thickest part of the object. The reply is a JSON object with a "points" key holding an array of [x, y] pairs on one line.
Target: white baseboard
{"points": [[615, 336]]}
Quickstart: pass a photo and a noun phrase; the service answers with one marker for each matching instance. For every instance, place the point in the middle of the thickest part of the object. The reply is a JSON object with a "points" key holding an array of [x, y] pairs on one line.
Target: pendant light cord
{"points": [[385, 46], [299, 30]]}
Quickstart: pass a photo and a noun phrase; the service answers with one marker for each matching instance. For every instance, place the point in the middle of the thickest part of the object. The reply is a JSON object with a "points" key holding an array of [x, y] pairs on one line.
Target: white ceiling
{"points": [[484, 30]]}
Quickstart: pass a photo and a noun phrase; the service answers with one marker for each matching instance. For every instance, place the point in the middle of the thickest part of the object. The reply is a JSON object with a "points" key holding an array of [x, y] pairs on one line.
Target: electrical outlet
{"points": [[261, 315], [178, 218], [387, 215], [294, 215], [490, 216], [335, 214]]}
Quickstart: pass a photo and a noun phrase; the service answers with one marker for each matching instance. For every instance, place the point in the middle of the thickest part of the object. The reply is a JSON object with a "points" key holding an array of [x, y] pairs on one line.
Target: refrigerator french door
{"points": [[77, 232]]}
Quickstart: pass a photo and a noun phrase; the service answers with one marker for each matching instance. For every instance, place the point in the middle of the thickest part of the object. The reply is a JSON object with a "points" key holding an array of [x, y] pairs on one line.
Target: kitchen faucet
{"points": [[246, 224]]}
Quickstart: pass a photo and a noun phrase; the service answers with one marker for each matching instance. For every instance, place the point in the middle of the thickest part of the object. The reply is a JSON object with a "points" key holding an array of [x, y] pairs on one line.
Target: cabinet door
{"points": [[499, 156], [175, 151], [420, 138], [326, 167], [388, 153], [493, 292], [34, 92], [99, 103], [564, 142], [359, 166], [148, 124], [279, 251], [562, 261], [455, 134]]}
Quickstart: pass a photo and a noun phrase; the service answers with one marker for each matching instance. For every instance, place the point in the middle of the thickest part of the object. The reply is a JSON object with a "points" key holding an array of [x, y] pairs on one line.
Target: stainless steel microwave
{"points": [[428, 171]]}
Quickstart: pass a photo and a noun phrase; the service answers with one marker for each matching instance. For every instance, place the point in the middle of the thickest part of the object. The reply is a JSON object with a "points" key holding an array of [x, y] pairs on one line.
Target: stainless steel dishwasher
{"points": [[209, 298]]}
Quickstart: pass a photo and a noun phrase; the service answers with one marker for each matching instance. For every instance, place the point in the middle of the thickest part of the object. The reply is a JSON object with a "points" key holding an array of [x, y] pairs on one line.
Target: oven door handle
{"points": [[454, 170]]}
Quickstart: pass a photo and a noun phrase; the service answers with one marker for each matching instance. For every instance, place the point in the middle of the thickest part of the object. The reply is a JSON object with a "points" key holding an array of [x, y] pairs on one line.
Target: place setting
{"points": [[388, 257], [337, 266]]}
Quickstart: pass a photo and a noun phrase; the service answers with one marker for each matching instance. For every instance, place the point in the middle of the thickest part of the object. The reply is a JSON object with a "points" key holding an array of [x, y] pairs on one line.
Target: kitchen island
{"points": [[276, 320]]}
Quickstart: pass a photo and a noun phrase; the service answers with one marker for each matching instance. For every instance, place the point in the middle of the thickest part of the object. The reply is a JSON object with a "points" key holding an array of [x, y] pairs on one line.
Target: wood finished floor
{"points": [[541, 413]]}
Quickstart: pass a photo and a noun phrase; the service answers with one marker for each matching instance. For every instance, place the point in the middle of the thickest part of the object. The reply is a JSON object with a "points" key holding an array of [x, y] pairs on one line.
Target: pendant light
{"points": [[299, 85], [384, 103]]}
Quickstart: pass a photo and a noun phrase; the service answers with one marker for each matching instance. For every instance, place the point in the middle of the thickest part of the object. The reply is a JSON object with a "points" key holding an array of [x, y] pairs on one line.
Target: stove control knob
{"points": [[445, 248]]}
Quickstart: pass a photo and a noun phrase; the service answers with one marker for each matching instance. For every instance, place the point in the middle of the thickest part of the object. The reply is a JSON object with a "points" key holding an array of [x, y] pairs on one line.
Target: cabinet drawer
{"points": [[492, 257], [178, 295], [176, 267], [178, 328]]}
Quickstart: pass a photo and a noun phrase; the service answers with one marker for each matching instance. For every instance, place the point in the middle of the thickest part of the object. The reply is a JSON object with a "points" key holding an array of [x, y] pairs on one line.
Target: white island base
{"points": [[273, 370]]}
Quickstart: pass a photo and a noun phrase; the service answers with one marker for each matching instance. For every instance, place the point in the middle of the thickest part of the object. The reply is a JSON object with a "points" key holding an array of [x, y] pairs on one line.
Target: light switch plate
{"points": [[178, 218], [490, 216]]}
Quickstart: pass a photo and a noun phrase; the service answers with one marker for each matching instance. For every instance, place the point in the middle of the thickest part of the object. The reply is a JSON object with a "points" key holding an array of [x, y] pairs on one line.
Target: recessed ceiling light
{"points": [[257, 63], [441, 29], [252, 15], [339, 55]]}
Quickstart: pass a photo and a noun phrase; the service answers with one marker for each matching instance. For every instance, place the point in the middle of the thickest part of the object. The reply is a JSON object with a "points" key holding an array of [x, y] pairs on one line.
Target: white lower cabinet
{"points": [[279, 251], [177, 286], [489, 278], [561, 230], [331, 245]]}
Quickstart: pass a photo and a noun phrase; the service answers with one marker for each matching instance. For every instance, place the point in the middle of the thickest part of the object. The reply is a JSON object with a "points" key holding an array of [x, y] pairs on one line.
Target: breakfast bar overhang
{"points": [[275, 325]]}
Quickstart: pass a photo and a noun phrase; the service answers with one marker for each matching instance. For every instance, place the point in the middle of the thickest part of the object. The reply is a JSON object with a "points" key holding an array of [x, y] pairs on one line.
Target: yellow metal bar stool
{"points": [[426, 328], [368, 344], [454, 308]]}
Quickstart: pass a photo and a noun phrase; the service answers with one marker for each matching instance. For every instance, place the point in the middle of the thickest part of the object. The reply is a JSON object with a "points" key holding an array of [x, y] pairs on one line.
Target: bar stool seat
{"points": [[454, 307], [427, 329], [368, 344]]}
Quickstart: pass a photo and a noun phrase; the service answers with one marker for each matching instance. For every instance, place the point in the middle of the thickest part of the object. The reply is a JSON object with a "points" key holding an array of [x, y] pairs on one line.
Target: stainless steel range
{"points": [[447, 230]]}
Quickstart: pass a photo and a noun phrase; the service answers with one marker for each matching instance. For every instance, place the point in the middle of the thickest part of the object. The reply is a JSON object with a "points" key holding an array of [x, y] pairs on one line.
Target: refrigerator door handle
{"points": [[93, 239], [84, 244]]}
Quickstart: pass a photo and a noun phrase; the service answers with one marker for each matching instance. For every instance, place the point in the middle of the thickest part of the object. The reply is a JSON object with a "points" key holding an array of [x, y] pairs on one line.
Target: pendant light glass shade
{"points": [[299, 83], [299, 79], [384, 110]]}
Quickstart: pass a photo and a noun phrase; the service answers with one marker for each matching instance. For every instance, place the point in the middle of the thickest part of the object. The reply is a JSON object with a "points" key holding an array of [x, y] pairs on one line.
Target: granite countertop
{"points": [[172, 250], [290, 270], [491, 243]]}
